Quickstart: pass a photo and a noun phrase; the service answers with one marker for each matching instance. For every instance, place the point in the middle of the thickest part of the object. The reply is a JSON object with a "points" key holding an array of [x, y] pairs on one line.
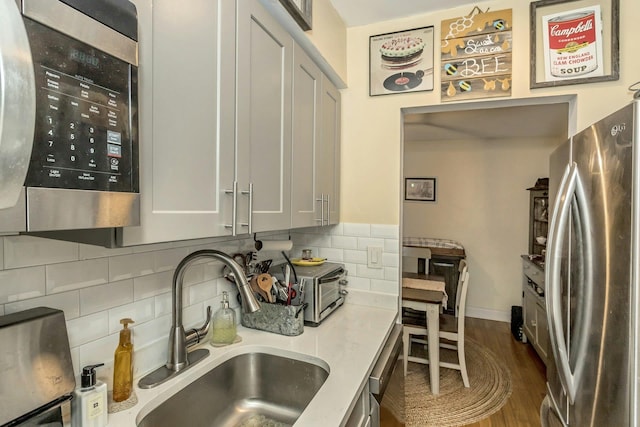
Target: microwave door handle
{"points": [[17, 104], [569, 187]]}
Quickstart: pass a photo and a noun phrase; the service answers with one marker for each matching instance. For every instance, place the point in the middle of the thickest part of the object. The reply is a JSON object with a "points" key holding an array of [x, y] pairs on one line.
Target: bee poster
{"points": [[475, 56]]}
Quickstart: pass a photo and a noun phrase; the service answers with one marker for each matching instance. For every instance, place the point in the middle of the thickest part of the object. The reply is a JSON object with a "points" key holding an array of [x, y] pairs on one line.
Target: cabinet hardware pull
{"points": [[328, 210], [234, 207], [249, 223], [321, 200]]}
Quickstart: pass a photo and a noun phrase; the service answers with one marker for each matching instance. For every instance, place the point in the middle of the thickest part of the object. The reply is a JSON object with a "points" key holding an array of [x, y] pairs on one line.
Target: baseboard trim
{"points": [[484, 313]]}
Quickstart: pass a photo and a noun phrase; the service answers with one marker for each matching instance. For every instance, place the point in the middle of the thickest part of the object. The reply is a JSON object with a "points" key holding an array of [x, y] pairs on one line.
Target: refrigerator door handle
{"points": [[570, 186]]}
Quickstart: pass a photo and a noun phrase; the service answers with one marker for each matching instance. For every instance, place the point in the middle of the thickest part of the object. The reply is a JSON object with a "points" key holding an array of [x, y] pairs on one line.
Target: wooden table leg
{"points": [[433, 327]]}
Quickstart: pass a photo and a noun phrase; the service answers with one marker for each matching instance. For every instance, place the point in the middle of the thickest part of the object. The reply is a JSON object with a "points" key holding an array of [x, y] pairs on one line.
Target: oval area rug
{"points": [[490, 388]]}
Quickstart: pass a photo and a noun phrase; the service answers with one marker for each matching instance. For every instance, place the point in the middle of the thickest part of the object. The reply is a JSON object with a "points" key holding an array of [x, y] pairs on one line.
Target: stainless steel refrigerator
{"points": [[592, 268]]}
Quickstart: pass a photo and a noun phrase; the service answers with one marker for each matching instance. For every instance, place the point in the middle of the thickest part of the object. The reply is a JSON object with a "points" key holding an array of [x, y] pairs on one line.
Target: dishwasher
{"points": [[382, 375]]}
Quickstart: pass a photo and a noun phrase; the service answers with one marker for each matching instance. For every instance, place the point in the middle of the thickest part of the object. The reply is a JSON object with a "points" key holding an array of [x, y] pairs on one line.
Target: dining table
{"points": [[425, 292]]}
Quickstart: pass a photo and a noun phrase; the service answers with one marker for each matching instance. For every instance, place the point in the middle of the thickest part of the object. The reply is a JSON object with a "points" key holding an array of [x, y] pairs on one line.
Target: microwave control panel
{"points": [[85, 132]]}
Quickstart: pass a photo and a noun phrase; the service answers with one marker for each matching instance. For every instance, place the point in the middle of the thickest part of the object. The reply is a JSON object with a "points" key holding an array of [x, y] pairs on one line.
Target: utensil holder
{"points": [[276, 318]]}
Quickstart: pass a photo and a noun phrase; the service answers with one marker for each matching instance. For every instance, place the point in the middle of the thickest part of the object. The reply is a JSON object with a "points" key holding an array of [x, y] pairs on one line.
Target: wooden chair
{"points": [[411, 257], [451, 331]]}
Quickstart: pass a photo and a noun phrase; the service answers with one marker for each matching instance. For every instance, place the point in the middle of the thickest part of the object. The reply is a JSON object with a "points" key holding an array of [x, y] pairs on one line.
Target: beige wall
{"points": [[482, 203], [371, 125], [329, 35]]}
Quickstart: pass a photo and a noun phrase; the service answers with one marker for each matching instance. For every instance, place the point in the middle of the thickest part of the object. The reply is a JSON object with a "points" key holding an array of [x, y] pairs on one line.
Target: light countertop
{"points": [[349, 342]]}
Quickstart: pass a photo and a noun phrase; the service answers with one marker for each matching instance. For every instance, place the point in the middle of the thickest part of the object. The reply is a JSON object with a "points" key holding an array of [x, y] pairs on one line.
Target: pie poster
{"points": [[475, 53], [401, 62]]}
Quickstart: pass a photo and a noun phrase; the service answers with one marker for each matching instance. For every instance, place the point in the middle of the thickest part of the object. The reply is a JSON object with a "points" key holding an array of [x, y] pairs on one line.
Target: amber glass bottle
{"points": [[123, 364]]}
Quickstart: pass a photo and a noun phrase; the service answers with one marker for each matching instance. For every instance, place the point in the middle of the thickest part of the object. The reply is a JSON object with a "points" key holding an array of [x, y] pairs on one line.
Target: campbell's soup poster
{"points": [[572, 44]]}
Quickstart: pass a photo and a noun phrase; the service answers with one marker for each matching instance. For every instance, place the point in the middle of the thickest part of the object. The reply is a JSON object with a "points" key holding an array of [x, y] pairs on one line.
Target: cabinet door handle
{"points": [[321, 200], [328, 210], [249, 223], [234, 207]]}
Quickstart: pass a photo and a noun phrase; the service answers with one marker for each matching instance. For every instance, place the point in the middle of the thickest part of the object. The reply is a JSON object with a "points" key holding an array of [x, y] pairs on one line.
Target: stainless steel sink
{"points": [[251, 389]]}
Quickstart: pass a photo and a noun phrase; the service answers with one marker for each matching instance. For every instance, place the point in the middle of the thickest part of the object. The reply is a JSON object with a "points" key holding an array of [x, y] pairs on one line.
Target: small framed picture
{"points": [[574, 42], [420, 189]]}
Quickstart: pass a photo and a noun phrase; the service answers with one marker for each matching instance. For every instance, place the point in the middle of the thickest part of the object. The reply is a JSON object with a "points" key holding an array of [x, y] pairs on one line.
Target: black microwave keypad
{"points": [[83, 136]]}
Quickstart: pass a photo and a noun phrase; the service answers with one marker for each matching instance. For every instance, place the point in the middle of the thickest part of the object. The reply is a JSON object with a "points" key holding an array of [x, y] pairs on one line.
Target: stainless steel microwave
{"points": [[68, 115]]}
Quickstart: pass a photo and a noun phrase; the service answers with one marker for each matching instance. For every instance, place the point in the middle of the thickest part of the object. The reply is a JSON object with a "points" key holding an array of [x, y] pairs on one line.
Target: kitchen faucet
{"points": [[178, 358]]}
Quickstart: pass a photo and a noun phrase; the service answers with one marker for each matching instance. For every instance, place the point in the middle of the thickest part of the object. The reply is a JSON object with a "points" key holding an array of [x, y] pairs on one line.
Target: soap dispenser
{"points": [[89, 403], [123, 364], [224, 323]]}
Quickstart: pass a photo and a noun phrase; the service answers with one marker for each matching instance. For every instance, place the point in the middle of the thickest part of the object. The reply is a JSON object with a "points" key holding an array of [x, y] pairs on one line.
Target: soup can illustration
{"points": [[573, 44]]}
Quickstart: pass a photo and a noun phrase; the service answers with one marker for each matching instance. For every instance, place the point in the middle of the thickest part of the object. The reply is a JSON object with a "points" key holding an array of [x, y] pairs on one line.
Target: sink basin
{"points": [[250, 389]]}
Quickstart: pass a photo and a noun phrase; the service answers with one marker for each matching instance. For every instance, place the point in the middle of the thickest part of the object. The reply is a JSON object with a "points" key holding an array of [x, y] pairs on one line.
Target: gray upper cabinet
{"points": [[306, 200], [329, 158], [265, 51], [221, 94], [187, 110], [316, 146]]}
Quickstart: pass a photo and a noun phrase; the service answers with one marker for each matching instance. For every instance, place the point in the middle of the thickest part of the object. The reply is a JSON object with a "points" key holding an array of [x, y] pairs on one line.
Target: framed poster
{"points": [[574, 42], [476, 55], [401, 62], [301, 12], [420, 189]]}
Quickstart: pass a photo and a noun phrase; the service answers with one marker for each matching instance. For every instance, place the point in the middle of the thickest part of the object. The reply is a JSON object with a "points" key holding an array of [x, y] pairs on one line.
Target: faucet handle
{"points": [[194, 336]]}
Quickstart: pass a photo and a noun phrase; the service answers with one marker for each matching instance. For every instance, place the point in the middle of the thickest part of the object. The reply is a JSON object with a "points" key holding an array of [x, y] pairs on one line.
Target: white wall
{"points": [[482, 203]]}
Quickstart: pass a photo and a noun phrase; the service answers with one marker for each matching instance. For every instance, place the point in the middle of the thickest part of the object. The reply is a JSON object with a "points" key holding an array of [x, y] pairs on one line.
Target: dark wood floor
{"points": [[527, 374]]}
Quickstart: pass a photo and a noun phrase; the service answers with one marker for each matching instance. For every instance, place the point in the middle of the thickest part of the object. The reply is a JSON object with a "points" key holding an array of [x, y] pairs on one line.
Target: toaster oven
{"points": [[322, 288]]}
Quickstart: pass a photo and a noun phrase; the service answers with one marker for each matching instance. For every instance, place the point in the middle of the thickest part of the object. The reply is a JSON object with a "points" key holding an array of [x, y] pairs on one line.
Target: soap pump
{"points": [[89, 404], [224, 323], [123, 364]]}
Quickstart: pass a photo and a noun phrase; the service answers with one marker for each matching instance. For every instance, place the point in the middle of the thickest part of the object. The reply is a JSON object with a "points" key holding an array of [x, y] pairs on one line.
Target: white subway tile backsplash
{"points": [[69, 276], [24, 251], [319, 240], [193, 316], [385, 286], [336, 230], [390, 260], [344, 242], [357, 257], [130, 266], [104, 297], [162, 304], [392, 246], [365, 242], [100, 351], [355, 229], [151, 331], [385, 231], [152, 285], [69, 302], [361, 283], [335, 255], [91, 251], [204, 291], [21, 284], [88, 328], [391, 273], [371, 273], [139, 311], [104, 285], [167, 260]]}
